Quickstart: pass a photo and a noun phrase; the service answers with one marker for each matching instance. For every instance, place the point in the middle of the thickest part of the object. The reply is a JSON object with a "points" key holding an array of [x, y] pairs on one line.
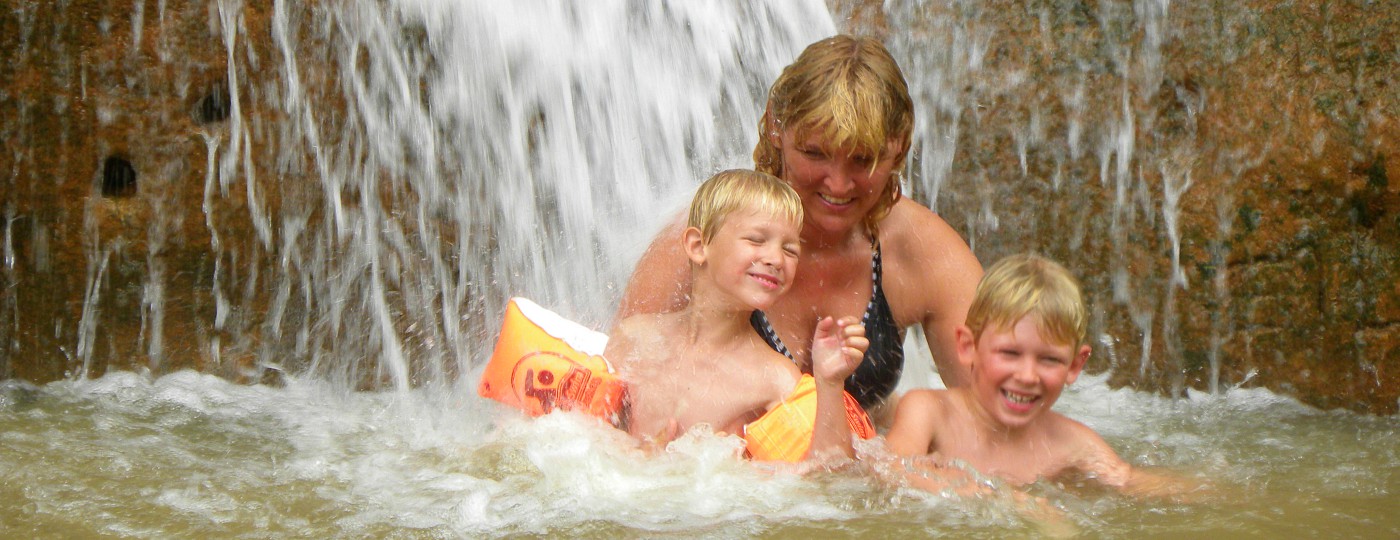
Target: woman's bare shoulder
{"points": [[916, 234], [928, 264]]}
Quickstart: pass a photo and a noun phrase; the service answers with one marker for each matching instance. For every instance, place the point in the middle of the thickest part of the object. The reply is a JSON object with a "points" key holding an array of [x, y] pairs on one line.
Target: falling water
{"points": [[434, 158]]}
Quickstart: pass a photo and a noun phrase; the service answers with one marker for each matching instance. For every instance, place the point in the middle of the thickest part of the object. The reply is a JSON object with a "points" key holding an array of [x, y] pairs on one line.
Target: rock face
{"points": [[1220, 176]]}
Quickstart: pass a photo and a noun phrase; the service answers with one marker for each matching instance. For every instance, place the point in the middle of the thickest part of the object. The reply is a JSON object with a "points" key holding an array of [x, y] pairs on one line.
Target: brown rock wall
{"points": [[1282, 116]]}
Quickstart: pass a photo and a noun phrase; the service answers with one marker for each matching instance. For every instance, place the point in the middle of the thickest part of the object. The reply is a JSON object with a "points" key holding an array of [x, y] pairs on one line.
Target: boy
{"points": [[1022, 343], [705, 364]]}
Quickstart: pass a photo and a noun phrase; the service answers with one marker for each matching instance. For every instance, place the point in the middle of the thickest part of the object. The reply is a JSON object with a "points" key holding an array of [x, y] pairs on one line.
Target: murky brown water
{"points": [[191, 455]]}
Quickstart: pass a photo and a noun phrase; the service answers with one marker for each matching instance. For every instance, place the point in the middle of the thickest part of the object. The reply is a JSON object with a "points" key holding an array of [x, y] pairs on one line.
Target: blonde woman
{"points": [[837, 129]]}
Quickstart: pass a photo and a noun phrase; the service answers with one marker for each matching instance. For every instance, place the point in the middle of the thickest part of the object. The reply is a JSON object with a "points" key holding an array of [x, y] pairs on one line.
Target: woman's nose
{"points": [[839, 178]]}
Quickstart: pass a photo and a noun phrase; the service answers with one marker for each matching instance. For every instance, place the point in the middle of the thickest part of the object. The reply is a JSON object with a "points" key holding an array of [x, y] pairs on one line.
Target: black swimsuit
{"points": [[878, 374]]}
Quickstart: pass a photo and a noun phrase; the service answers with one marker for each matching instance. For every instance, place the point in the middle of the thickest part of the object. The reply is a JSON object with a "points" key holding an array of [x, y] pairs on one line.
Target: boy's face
{"points": [[752, 256], [1016, 373]]}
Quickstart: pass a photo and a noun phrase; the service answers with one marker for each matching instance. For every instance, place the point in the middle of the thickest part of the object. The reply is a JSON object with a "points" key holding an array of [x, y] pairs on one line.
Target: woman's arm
{"points": [[660, 283], [932, 279]]}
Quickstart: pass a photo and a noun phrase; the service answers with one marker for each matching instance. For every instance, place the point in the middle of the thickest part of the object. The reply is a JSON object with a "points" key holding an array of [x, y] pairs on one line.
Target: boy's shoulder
{"points": [[642, 326], [920, 419], [636, 337], [926, 398], [926, 405]]}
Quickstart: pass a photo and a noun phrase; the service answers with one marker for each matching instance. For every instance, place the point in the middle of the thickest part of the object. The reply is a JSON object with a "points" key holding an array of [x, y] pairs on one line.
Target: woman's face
{"points": [[837, 185]]}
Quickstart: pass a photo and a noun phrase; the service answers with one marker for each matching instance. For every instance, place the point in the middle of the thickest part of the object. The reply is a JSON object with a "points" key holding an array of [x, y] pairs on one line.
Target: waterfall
{"points": [[434, 158]]}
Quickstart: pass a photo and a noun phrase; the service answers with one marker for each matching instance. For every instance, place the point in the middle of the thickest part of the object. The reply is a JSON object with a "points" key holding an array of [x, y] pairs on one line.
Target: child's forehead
{"points": [[759, 209], [1028, 326]]}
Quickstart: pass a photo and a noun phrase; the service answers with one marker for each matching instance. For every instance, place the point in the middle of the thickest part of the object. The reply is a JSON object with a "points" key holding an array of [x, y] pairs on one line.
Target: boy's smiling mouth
{"points": [[771, 282], [1018, 400]]}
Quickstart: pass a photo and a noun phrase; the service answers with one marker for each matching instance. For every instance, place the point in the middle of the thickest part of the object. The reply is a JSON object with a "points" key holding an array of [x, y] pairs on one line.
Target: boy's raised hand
{"points": [[838, 346]]}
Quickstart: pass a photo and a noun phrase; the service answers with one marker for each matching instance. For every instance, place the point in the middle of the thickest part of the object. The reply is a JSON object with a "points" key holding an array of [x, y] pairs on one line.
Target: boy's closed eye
{"points": [[1008, 352]]}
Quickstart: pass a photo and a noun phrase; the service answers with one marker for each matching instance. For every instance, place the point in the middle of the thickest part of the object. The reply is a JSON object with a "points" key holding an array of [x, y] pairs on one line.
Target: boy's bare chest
{"points": [[1018, 461], [702, 387]]}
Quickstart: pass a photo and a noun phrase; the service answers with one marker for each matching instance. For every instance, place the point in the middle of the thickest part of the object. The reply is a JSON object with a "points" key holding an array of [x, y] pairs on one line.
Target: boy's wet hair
{"points": [[742, 189], [850, 91], [1021, 285]]}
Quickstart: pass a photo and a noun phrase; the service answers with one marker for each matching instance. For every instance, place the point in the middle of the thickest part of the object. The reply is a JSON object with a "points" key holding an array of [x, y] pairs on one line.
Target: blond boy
{"points": [[705, 364], [1022, 343]]}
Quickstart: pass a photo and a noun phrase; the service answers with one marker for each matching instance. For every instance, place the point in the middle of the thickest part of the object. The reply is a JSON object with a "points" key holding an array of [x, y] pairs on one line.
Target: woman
{"points": [[837, 129]]}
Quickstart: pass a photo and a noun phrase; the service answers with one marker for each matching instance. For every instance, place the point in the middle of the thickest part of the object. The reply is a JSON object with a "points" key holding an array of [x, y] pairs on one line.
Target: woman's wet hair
{"points": [[848, 90]]}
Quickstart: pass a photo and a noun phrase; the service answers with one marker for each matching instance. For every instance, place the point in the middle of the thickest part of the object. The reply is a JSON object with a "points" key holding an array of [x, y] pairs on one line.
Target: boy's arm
{"points": [[837, 348], [1103, 464], [915, 422]]}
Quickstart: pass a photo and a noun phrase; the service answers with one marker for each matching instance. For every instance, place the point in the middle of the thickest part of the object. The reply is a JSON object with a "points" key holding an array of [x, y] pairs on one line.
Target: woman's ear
{"points": [[898, 149], [693, 242]]}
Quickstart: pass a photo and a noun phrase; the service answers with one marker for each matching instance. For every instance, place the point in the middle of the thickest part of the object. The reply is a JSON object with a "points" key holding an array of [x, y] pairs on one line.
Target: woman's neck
{"points": [[824, 242]]}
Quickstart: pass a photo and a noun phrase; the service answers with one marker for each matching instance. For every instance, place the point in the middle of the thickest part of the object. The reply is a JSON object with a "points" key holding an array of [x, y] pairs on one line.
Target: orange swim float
{"points": [[785, 432], [543, 362]]}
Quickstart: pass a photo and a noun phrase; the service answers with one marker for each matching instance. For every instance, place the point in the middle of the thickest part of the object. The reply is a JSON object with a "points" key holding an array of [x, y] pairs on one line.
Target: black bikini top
{"points": [[877, 376]]}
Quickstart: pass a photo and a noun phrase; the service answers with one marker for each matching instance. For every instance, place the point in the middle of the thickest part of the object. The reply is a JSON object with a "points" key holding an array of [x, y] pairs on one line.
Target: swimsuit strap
{"points": [[874, 282], [759, 320]]}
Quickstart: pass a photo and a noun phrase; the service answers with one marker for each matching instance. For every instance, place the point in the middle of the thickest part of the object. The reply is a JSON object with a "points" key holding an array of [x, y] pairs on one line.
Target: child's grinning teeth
{"points": [[1017, 398]]}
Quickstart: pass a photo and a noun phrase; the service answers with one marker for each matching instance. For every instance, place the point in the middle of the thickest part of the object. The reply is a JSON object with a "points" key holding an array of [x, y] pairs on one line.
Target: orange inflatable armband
{"points": [[544, 362], [785, 433]]}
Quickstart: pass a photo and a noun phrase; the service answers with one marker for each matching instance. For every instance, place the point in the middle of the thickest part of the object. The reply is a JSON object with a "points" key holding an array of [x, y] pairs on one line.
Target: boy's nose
{"points": [[770, 254], [1025, 370]]}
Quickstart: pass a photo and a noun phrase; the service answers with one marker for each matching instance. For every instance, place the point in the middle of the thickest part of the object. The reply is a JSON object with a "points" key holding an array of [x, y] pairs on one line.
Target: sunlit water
{"points": [[191, 455]]}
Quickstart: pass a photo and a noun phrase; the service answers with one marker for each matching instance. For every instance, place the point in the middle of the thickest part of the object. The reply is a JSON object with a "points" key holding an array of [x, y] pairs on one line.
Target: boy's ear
{"points": [[1077, 364], [694, 245], [966, 345]]}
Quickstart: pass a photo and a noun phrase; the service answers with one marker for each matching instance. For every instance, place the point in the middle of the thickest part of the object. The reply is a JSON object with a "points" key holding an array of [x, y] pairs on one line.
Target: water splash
{"points": [[438, 157]]}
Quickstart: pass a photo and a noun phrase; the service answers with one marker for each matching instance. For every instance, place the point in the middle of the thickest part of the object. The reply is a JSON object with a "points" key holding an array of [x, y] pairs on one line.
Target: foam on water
{"points": [[194, 454]]}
